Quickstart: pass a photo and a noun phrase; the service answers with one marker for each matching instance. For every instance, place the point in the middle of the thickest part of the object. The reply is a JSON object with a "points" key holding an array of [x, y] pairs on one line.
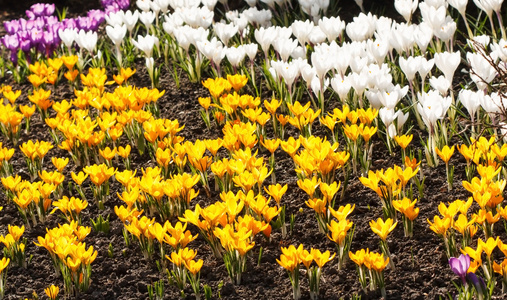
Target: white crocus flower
{"points": [[251, 50], [87, 40], [459, 5], [163, 5], [389, 100], [441, 84], [387, 115], [317, 36], [265, 37], [302, 31], [423, 35], [117, 34], [146, 44], [447, 30], [401, 119], [319, 86], [307, 72], [258, 17], [402, 37], [130, 19], [225, 31], [471, 101], [448, 62], [289, 73], [361, 28], [209, 4], [425, 67], [251, 3], [432, 107], [433, 16], [410, 66], [143, 5], [332, 27], [147, 18], [285, 47], [68, 36], [116, 18], [378, 49], [235, 56], [341, 86], [500, 49], [406, 8], [482, 71]]}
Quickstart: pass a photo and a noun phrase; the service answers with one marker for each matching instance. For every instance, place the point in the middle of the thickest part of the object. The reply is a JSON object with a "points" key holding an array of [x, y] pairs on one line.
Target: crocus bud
{"points": [[116, 33]]}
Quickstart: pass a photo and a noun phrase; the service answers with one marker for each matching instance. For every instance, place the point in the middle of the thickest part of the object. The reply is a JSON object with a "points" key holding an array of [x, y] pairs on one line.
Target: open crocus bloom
{"points": [[460, 266]]}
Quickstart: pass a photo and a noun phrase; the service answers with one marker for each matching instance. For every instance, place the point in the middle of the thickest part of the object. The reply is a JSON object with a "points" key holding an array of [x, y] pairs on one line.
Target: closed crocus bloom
{"points": [[433, 16], [448, 62], [332, 27], [432, 107], [362, 27], [486, 5], [441, 84], [114, 19], [67, 36], [406, 8], [146, 44], [470, 101], [447, 30], [52, 292], [488, 246], [483, 72], [460, 266], [381, 228], [341, 85], [130, 19], [459, 5], [440, 226], [225, 31], [235, 56], [425, 67], [338, 230], [4, 263], [302, 30], [116, 33], [265, 37], [87, 40]]}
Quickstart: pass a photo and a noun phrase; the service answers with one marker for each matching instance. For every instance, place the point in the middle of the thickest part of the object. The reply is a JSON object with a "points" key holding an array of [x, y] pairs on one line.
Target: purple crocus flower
{"points": [[460, 266], [12, 26], [96, 15], [25, 45], [40, 10], [68, 23], [479, 284], [11, 42]]}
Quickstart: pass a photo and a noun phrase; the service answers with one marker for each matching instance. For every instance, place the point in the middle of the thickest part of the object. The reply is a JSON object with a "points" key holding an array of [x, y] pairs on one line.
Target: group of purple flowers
{"points": [[39, 31]]}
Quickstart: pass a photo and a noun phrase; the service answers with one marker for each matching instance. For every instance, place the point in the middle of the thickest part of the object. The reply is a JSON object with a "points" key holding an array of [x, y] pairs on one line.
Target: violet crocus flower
{"points": [[11, 42], [97, 15], [479, 284], [460, 266], [40, 10], [12, 26]]}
